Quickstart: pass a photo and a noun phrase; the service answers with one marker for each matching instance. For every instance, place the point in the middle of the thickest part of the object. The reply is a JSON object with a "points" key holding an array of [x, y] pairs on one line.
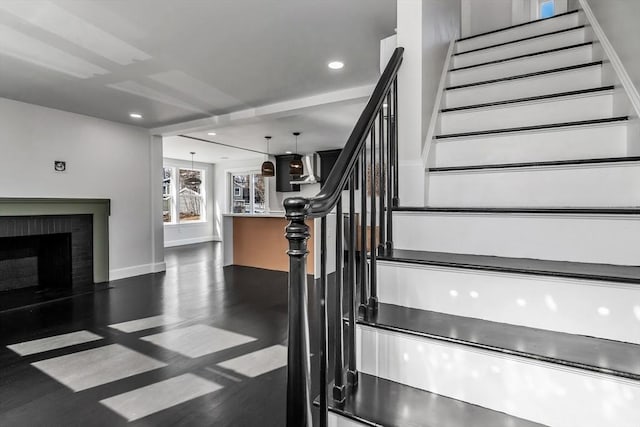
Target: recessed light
{"points": [[335, 65], [287, 152], [135, 115], [211, 134]]}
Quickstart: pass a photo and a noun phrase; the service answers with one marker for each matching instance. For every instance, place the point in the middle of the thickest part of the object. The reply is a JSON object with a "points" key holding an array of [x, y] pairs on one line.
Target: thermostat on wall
{"points": [[59, 166]]}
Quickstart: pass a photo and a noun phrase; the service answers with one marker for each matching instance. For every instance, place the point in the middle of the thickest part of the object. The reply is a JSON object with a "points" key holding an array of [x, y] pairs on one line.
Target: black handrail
{"points": [[328, 196], [376, 172]]}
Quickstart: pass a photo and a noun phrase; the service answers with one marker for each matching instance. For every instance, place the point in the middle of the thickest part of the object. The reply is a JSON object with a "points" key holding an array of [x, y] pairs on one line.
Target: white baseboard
{"points": [[136, 270], [182, 242], [158, 267]]}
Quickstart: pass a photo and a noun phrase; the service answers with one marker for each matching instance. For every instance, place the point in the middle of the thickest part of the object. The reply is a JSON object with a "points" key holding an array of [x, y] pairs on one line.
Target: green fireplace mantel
{"points": [[99, 208]]}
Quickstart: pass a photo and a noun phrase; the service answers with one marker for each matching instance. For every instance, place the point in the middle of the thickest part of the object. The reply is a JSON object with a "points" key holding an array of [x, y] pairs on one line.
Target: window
{"points": [[546, 9], [191, 202], [248, 193], [183, 201]]}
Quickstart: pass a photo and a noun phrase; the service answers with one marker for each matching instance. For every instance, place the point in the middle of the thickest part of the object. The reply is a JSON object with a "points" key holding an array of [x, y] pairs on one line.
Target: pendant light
{"points": [[192, 180], [295, 167], [268, 169]]}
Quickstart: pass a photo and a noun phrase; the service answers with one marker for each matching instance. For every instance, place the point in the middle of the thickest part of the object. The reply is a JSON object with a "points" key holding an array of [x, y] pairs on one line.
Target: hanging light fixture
{"points": [[192, 180], [295, 167], [268, 168]]}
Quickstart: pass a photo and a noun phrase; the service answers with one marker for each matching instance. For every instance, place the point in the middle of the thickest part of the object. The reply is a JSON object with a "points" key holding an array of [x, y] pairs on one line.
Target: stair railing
{"points": [[369, 160]]}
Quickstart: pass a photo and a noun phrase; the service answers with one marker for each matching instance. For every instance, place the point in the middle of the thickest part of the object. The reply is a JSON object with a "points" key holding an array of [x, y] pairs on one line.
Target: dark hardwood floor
{"points": [[47, 387]]}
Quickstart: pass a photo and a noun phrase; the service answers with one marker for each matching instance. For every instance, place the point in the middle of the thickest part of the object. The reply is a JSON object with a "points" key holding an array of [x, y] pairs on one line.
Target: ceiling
{"points": [[324, 128], [178, 60]]}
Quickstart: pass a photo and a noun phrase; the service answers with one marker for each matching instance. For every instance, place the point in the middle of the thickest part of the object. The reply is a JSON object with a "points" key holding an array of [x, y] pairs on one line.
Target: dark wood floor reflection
{"points": [[195, 290]]}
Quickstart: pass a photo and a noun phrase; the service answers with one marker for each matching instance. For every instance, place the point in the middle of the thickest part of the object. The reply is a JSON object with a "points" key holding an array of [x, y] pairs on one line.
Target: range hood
{"points": [[310, 166]]}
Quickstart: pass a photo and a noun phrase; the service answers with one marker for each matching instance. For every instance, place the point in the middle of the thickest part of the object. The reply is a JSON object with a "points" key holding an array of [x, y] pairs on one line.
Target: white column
{"points": [[425, 29], [410, 114], [157, 226]]}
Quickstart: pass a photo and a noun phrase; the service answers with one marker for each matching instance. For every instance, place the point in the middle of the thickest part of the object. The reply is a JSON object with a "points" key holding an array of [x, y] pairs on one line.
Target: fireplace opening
{"points": [[42, 261], [47, 249]]}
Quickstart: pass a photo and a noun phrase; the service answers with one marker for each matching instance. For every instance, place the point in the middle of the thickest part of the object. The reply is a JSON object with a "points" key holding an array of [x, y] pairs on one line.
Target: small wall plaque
{"points": [[59, 166]]}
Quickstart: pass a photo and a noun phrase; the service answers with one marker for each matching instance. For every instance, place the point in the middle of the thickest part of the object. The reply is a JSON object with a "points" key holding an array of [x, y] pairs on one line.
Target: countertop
{"points": [[274, 214], [264, 215]]}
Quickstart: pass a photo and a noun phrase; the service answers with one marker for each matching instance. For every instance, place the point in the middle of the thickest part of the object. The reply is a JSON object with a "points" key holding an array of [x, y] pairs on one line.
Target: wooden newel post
{"points": [[298, 364]]}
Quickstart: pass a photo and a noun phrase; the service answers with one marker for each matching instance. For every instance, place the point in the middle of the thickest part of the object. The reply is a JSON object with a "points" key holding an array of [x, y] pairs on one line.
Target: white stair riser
{"points": [[542, 27], [554, 41], [575, 186], [537, 391], [335, 420], [528, 114], [604, 310], [589, 142], [546, 84], [595, 239], [531, 64]]}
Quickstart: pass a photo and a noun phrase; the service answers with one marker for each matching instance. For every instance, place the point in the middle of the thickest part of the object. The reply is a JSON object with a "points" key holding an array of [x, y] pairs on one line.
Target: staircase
{"points": [[513, 298]]}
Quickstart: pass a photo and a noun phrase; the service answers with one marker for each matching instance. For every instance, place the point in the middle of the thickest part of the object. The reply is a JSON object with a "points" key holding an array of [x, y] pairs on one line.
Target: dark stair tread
{"points": [[524, 39], [543, 210], [530, 99], [537, 164], [577, 351], [526, 55], [569, 269], [527, 75], [516, 26], [534, 127], [380, 402]]}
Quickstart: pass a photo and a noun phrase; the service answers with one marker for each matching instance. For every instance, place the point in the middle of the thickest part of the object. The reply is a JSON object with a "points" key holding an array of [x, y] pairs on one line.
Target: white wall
{"points": [[619, 20], [104, 160], [480, 16], [387, 47], [276, 200], [521, 11], [194, 232], [440, 24]]}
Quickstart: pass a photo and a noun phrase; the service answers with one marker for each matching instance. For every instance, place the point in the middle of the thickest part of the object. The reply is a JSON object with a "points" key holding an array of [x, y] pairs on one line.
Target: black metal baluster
{"points": [[388, 172], [375, 235], [394, 115], [373, 296], [380, 179], [298, 369], [352, 374], [338, 387], [324, 349], [362, 310]]}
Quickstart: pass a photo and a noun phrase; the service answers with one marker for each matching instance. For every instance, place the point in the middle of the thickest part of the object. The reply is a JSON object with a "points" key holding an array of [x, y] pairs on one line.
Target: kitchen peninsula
{"points": [[258, 240]]}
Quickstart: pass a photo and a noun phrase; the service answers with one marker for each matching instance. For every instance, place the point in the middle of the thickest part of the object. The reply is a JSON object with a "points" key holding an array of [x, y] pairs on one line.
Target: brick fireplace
{"points": [[49, 251], [53, 243]]}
